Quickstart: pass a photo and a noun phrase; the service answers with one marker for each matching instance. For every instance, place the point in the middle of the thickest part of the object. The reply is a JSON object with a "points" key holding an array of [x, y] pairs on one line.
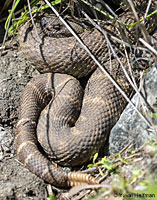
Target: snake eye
{"points": [[57, 27]]}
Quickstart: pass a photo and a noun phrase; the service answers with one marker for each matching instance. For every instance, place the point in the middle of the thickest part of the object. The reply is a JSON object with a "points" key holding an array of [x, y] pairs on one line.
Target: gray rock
{"points": [[131, 128], [6, 141], [6, 138]]}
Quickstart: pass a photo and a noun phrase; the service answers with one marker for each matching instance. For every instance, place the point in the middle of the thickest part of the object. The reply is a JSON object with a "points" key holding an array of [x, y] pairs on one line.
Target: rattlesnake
{"points": [[50, 104]]}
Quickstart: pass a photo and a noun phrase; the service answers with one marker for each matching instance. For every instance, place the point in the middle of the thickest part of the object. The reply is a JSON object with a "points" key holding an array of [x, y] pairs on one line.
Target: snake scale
{"points": [[59, 124]]}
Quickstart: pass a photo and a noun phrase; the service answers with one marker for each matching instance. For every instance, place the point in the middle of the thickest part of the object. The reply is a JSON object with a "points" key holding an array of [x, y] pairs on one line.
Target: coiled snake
{"points": [[51, 115]]}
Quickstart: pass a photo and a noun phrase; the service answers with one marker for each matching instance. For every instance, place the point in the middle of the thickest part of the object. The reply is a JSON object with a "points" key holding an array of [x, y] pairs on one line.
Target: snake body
{"points": [[70, 57], [73, 139], [52, 119]]}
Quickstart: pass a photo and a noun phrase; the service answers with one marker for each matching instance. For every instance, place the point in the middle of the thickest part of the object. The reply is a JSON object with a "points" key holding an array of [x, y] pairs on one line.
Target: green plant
{"points": [[25, 14]]}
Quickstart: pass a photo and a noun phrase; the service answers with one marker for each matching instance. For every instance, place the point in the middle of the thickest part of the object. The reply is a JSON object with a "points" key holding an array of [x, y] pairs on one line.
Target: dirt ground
{"points": [[16, 182]]}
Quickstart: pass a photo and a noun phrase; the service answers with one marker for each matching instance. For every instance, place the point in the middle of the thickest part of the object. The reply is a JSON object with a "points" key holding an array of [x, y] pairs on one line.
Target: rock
{"points": [[131, 128], [6, 141]]}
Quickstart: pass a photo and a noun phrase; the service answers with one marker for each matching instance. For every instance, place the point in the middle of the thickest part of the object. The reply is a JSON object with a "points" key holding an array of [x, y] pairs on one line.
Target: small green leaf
{"points": [[95, 157], [101, 172], [52, 197], [90, 165], [9, 16], [107, 165], [136, 172], [131, 151], [25, 14], [121, 159]]}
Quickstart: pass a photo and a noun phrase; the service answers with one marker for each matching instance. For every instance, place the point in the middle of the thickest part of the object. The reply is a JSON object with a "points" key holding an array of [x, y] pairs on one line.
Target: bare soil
{"points": [[16, 182]]}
